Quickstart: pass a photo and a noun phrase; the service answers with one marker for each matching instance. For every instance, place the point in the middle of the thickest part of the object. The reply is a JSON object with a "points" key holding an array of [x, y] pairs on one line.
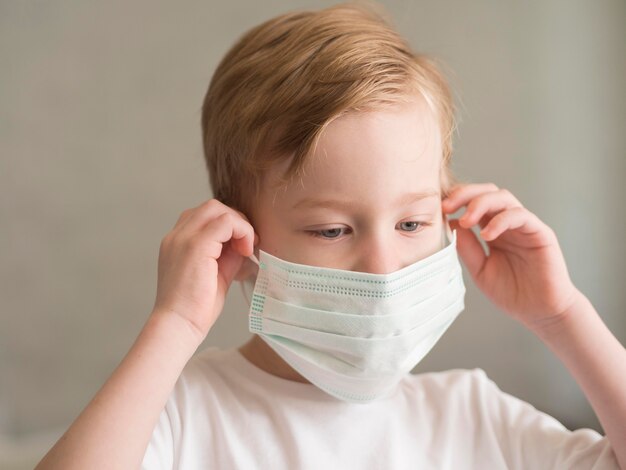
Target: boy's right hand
{"points": [[198, 260]]}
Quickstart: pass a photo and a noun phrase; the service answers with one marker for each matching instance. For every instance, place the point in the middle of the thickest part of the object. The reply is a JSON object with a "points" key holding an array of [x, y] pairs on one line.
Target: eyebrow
{"points": [[407, 198]]}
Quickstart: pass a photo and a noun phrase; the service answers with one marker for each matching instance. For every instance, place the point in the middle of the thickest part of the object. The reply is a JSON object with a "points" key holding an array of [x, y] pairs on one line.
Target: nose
{"points": [[376, 255]]}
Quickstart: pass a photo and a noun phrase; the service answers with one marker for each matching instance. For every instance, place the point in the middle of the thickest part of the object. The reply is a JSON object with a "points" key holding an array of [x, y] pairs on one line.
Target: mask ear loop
{"points": [[246, 290], [247, 286]]}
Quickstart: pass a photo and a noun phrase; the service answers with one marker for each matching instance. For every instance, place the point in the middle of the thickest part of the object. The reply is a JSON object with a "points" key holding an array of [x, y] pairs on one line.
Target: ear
{"points": [[444, 219]]}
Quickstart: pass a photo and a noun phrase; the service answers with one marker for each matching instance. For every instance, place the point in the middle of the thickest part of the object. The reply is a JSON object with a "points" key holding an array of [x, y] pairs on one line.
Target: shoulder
{"points": [[526, 436], [195, 393], [185, 412], [474, 392], [467, 396]]}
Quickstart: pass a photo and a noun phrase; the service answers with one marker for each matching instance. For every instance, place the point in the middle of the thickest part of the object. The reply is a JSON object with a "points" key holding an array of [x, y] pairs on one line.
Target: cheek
{"points": [[272, 245], [432, 244], [281, 240]]}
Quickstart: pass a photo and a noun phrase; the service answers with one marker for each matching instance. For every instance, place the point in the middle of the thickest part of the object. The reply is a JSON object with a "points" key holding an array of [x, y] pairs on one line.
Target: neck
{"points": [[265, 358]]}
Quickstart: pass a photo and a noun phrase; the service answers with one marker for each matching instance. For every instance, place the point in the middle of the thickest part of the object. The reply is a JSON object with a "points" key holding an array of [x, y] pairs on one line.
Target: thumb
{"points": [[229, 262], [469, 248]]}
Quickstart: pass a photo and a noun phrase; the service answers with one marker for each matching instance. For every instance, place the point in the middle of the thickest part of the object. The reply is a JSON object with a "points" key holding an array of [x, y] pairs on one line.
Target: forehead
{"points": [[372, 155]]}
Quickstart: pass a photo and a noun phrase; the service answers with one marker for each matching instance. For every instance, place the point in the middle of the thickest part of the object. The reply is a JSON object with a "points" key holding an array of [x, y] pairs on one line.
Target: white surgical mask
{"points": [[354, 334]]}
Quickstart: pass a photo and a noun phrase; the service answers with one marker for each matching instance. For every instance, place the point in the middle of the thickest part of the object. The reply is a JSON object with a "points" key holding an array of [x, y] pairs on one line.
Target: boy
{"points": [[328, 144]]}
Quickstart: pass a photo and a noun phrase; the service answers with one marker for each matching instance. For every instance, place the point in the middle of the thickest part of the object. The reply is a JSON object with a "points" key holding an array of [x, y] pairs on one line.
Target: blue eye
{"points": [[409, 226], [329, 232]]}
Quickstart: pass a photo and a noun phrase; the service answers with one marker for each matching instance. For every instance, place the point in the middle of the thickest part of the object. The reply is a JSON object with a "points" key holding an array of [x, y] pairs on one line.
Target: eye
{"points": [[410, 225], [329, 233]]}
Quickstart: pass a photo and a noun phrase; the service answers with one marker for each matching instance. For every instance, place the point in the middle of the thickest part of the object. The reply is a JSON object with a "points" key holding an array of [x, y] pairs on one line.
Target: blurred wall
{"points": [[100, 152]]}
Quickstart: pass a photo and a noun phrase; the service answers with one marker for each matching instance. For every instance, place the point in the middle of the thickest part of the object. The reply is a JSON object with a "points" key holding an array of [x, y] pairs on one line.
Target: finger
{"points": [[482, 223], [463, 194], [469, 248], [245, 242], [228, 227], [230, 263], [516, 218], [487, 204], [485, 219], [182, 218], [200, 215], [207, 209]]}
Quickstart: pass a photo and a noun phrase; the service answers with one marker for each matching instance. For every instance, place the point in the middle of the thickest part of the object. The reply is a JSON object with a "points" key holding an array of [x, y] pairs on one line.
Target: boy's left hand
{"points": [[525, 273]]}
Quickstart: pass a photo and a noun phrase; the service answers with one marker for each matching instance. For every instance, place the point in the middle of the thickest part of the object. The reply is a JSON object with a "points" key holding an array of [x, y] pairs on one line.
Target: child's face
{"points": [[369, 200]]}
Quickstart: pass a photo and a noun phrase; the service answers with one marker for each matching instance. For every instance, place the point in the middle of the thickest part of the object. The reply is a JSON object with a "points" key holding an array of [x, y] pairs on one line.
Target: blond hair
{"points": [[285, 80]]}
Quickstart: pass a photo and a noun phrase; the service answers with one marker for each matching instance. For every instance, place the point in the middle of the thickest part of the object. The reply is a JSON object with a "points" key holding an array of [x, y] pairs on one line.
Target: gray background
{"points": [[100, 152]]}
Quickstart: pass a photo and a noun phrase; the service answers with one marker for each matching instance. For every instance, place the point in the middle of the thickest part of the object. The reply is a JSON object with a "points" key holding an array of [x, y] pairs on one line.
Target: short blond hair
{"points": [[285, 80]]}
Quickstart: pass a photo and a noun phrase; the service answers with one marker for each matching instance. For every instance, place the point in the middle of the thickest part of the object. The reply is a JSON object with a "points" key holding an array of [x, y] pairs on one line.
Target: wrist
{"points": [[176, 327], [561, 322]]}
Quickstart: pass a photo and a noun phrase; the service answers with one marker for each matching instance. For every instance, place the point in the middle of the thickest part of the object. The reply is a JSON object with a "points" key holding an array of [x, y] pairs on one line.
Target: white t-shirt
{"points": [[226, 413]]}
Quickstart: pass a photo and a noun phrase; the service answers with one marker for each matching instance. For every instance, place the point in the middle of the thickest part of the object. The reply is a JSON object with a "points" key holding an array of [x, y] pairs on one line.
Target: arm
{"points": [[597, 361], [525, 275], [116, 425], [198, 261]]}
